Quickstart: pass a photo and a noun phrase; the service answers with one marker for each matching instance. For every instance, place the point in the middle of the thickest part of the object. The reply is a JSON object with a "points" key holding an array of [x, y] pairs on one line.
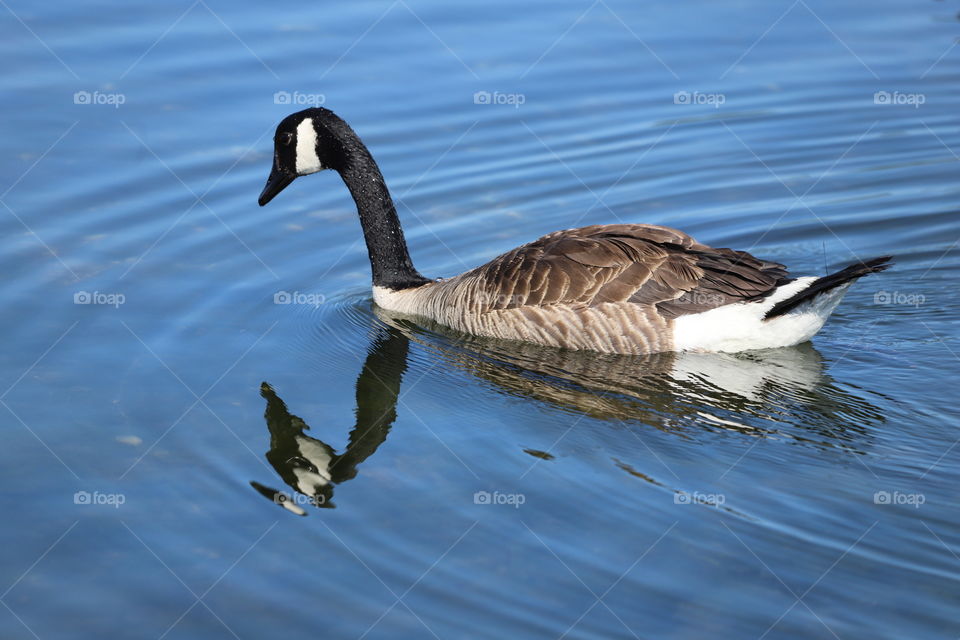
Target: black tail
{"points": [[826, 283]]}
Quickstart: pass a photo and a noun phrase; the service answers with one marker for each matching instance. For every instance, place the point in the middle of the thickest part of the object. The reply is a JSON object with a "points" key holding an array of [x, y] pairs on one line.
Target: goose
{"points": [[618, 288]]}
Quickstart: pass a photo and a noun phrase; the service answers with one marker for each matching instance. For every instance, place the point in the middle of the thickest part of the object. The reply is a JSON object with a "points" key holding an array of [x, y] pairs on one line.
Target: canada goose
{"points": [[619, 288]]}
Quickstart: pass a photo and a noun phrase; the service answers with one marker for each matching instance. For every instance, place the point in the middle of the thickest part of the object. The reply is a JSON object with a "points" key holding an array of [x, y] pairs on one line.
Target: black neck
{"points": [[389, 258]]}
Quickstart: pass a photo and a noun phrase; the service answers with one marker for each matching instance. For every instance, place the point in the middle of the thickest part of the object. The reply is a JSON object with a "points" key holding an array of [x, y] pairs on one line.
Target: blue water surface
{"points": [[488, 490]]}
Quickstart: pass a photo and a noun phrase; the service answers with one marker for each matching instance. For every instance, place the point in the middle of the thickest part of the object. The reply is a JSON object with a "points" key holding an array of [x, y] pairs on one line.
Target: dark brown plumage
{"points": [[635, 263]]}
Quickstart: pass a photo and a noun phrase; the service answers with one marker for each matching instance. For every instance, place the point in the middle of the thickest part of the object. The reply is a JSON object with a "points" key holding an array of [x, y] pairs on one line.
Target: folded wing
{"points": [[651, 266]]}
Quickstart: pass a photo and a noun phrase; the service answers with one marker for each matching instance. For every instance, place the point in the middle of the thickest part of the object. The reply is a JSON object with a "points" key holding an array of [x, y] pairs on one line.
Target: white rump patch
{"points": [[741, 327], [307, 160]]}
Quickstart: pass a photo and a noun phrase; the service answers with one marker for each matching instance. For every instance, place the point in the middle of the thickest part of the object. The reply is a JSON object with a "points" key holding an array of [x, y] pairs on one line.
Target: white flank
{"points": [[307, 160], [741, 327]]}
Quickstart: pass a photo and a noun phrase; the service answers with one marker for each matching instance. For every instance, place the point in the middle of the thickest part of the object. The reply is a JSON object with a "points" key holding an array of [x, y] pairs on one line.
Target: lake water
{"points": [[489, 491]]}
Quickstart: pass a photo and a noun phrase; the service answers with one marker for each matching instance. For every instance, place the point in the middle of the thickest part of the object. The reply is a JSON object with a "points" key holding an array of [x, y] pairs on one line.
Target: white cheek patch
{"points": [[307, 160]]}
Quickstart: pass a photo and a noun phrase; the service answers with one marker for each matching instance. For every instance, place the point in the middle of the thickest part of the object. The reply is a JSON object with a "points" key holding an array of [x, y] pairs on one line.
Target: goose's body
{"points": [[623, 288]]}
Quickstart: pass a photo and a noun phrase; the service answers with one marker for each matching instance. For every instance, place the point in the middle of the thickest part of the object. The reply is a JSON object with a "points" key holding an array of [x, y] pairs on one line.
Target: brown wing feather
{"points": [[641, 264]]}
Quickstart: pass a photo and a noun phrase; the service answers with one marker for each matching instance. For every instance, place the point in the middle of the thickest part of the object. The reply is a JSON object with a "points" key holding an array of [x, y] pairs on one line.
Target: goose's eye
{"points": [[285, 139]]}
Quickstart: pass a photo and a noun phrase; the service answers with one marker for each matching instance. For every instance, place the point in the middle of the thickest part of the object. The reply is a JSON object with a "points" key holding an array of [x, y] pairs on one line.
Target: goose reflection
{"points": [[751, 392], [310, 466], [781, 393]]}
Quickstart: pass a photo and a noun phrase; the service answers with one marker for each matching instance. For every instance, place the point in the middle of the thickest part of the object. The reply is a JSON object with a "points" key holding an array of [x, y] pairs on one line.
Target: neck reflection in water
{"points": [[778, 393]]}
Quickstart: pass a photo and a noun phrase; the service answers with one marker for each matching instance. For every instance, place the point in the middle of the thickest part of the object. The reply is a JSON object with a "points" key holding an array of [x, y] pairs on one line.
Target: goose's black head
{"points": [[305, 142]]}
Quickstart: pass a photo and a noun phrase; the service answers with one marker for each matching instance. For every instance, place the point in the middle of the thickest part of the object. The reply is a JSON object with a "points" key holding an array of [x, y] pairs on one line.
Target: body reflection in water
{"points": [[782, 393], [310, 466], [775, 392]]}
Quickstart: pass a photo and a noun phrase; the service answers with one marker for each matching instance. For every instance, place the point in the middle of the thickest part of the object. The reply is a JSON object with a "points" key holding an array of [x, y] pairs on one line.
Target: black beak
{"points": [[277, 182]]}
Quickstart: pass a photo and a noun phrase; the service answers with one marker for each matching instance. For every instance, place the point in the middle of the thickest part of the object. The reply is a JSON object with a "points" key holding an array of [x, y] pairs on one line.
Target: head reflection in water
{"points": [[310, 466]]}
